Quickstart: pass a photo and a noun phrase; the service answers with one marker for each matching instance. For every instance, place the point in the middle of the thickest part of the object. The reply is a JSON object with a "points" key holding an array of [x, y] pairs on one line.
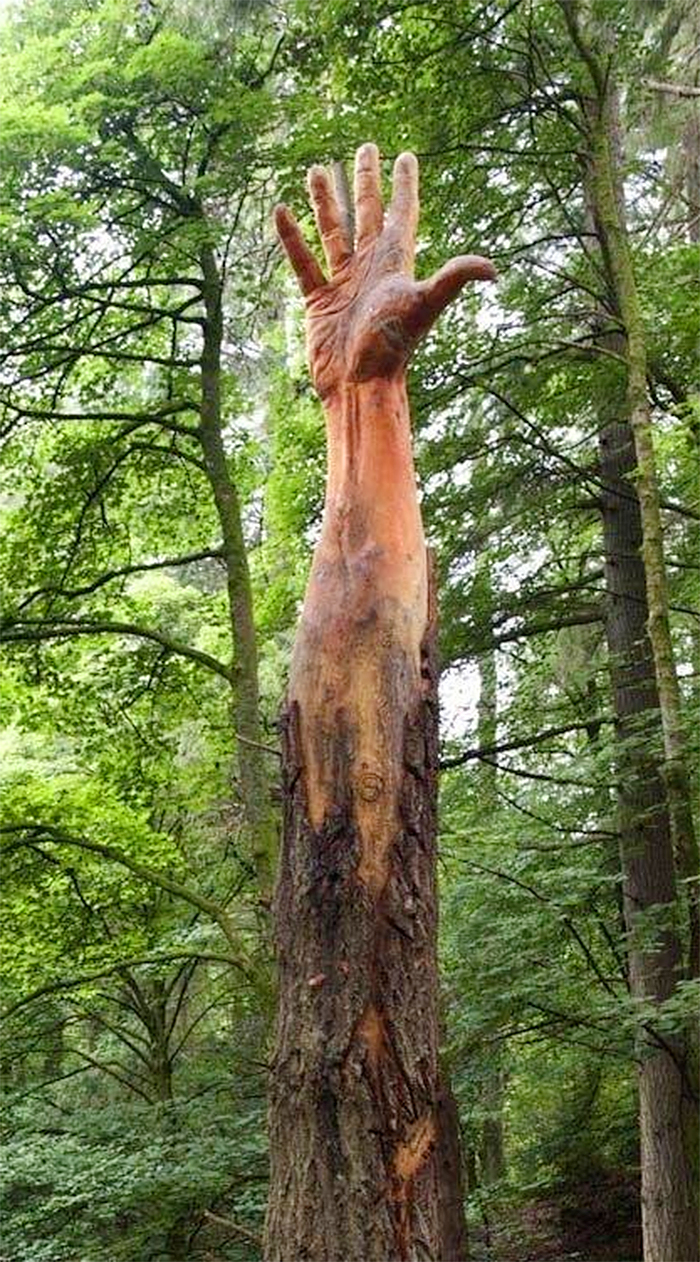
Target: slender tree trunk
{"points": [[487, 705], [471, 1169], [454, 1243], [493, 1162], [655, 809], [609, 207], [691, 131], [491, 1141], [54, 1050], [159, 1051], [254, 788], [669, 1077], [666, 1098], [691, 155]]}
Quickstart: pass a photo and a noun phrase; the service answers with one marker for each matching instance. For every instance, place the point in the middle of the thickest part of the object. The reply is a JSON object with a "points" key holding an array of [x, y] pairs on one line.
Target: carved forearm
{"points": [[372, 547], [356, 668]]}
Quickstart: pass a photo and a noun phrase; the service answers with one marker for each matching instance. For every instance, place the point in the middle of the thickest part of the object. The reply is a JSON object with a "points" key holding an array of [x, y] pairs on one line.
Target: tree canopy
{"points": [[161, 485]]}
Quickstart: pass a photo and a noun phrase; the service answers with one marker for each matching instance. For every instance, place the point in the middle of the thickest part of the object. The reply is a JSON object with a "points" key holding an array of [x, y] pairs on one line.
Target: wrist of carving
{"points": [[377, 396]]}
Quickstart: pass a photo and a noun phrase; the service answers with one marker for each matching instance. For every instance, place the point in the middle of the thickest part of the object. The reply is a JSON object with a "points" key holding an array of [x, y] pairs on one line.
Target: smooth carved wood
{"points": [[353, 1116]]}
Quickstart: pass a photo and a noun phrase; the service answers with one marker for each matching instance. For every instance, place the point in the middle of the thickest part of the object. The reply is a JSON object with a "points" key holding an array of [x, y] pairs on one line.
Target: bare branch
{"points": [[673, 89], [122, 572], [30, 831], [523, 743], [66, 629], [236, 1228]]}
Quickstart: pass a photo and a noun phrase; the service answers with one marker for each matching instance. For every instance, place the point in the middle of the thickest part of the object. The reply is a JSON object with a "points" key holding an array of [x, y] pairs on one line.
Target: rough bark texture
{"points": [[609, 207], [654, 789], [454, 1244], [666, 1102], [355, 1081]]}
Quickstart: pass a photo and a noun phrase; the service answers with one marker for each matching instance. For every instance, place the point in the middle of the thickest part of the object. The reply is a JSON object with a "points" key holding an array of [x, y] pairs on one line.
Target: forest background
{"points": [[161, 481]]}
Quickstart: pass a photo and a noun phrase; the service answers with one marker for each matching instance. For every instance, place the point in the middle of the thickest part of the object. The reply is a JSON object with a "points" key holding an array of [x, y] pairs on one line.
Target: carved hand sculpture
{"points": [[367, 599], [353, 1114], [365, 320]]}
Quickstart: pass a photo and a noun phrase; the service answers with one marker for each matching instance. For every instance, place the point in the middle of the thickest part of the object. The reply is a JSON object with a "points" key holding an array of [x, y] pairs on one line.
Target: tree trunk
{"points": [[471, 1169], [691, 131], [691, 156], [491, 1145], [54, 1051], [179, 1237], [355, 1082], [493, 1162], [487, 705], [607, 190], [159, 1042], [653, 785], [253, 782], [355, 1088], [666, 1101], [454, 1244]]}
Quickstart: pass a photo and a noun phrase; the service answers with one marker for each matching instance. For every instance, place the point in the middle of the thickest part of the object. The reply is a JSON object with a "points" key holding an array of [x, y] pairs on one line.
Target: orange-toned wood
{"points": [[355, 1099]]}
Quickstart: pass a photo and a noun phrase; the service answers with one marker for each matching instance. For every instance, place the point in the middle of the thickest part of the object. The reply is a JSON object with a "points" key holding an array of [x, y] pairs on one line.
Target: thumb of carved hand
{"points": [[431, 296]]}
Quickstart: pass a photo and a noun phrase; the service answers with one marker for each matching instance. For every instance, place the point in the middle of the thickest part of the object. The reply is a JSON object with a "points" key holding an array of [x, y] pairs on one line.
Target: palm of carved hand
{"points": [[364, 321]]}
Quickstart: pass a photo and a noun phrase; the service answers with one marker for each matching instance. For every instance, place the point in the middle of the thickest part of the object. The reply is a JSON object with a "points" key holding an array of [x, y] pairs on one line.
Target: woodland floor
{"points": [[598, 1221]]}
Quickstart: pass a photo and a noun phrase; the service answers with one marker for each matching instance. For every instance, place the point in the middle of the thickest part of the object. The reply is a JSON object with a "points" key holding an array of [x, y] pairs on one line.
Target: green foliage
{"points": [[105, 1183], [136, 142]]}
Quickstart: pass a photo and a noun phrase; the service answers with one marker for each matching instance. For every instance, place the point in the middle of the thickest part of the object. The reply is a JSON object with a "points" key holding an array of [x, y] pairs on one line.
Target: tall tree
{"points": [[654, 811], [121, 279], [540, 103], [353, 1119]]}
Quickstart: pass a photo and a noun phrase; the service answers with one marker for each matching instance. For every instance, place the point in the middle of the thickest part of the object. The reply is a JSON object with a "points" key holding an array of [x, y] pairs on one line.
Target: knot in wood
{"points": [[369, 784]]}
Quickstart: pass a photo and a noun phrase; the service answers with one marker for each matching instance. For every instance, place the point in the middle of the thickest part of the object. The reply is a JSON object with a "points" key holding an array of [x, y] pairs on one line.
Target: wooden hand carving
{"points": [[366, 319], [353, 1117], [366, 606]]}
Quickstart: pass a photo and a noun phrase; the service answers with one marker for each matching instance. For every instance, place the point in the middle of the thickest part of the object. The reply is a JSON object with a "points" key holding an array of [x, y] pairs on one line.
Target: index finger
{"points": [[305, 265]]}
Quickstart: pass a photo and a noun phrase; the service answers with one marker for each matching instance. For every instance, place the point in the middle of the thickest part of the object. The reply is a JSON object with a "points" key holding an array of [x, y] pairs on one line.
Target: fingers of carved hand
{"points": [[306, 267], [331, 225], [370, 314], [369, 212]]}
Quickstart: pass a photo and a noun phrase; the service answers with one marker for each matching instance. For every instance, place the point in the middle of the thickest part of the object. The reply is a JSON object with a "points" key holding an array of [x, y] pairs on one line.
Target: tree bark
{"points": [[667, 1104], [355, 1077], [690, 140], [253, 783], [654, 790], [607, 191], [454, 1243], [355, 1086]]}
